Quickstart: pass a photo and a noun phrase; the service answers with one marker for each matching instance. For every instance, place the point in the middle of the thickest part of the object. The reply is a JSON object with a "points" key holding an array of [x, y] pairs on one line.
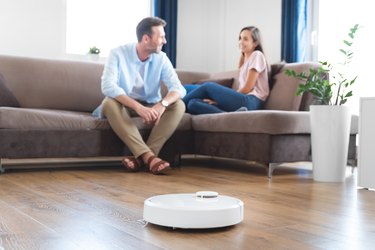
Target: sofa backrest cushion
{"points": [[233, 74], [53, 84], [186, 77], [283, 93], [7, 99]]}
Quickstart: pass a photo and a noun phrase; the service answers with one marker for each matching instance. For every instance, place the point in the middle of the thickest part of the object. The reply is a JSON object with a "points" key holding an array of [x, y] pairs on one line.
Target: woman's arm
{"points": [[251, 78]]}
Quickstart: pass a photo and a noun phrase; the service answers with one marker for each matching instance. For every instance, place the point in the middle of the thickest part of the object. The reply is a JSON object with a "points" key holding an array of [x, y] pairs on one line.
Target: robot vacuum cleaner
{"points": [[204, 209]]}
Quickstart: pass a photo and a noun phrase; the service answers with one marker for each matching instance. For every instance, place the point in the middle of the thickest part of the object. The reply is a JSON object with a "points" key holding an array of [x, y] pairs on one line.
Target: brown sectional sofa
{"points": [[46, 105]]}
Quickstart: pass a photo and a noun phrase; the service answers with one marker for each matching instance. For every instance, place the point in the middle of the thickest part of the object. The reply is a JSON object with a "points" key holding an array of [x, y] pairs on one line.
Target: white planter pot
{"points": [[330, 131], [93, 57]]}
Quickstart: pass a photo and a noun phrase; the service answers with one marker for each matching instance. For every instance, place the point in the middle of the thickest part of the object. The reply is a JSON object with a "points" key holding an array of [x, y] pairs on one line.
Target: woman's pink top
{"points": [[258, 62]]}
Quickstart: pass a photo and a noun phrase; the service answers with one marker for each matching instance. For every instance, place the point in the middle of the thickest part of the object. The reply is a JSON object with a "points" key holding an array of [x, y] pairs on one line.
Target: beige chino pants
{"points": [[119, 118]]}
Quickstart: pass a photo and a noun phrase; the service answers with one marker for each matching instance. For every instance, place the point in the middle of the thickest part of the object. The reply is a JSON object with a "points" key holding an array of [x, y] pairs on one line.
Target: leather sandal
{"points": [[136, 163], [155, 168]]}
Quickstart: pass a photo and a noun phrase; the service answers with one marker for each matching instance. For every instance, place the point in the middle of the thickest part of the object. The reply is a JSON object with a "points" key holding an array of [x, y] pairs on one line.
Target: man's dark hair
{"points": [[145, 26]]}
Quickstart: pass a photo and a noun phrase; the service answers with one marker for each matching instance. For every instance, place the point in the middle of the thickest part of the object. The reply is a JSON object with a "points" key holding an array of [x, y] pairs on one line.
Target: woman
{"points": [[253, 86]]}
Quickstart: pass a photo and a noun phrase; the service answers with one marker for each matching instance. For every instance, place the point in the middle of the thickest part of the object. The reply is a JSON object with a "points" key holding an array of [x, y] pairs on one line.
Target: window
{"points": [[335, 19], [105, 24]]}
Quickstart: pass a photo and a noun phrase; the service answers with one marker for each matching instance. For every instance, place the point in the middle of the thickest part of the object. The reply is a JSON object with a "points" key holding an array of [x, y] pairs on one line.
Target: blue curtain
{"points": [[167, 10], [294, 30]]}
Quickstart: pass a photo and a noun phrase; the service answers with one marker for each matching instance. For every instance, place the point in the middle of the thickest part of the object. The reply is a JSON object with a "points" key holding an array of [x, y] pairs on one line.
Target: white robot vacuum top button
{"points": [[207, 194]]}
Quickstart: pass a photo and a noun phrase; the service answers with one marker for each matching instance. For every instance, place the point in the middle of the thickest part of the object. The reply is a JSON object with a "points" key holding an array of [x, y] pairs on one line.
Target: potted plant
{"points": [[93, 53], [329, 118], [94, 50]]}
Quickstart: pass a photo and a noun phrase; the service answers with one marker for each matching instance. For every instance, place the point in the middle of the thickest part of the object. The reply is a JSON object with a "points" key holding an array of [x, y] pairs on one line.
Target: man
{"points": [[131, 83]]}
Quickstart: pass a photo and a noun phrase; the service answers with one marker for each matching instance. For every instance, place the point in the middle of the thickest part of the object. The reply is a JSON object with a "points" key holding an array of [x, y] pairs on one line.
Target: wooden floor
{"points": [[102, 208]]}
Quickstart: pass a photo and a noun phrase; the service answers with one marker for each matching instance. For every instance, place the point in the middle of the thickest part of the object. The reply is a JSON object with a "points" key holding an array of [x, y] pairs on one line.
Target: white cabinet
{"points": [[366, 150]]}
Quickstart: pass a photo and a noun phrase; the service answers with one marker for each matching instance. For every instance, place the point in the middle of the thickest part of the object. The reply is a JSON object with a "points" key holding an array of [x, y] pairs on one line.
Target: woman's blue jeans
{"points": [[227, 100]]}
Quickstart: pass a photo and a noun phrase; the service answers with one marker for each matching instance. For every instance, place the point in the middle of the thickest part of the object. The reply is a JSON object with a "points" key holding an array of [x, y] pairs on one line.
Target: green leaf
{"points": [[343, 51], [349, 94], [348, 43]]}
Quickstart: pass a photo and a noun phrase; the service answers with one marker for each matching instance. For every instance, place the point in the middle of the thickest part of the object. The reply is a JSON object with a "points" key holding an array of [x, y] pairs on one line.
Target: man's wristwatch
{"points": [[164, 103]]}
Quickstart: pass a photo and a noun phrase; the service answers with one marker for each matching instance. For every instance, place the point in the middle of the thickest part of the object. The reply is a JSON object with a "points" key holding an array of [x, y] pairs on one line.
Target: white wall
{"points": [[207, 30], [207, 35], [32, 27]]}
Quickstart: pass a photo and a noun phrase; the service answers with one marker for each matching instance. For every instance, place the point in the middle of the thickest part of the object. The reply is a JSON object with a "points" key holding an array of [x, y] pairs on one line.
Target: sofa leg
{"points": [[271, 167], [177, 161], [2, 170]]}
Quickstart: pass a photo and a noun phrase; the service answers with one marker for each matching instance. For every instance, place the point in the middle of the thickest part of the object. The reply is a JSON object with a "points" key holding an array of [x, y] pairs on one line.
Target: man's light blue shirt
{"points": [[121, 70]]}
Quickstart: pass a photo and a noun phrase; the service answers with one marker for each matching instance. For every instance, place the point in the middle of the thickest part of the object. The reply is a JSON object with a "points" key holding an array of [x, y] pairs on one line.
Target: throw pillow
{"points": [[7, 99], [276, 68], [227, 82]]}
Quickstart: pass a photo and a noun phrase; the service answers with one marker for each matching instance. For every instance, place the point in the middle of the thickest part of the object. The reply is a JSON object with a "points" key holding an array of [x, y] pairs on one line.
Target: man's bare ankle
{"points": [[146, 156]]}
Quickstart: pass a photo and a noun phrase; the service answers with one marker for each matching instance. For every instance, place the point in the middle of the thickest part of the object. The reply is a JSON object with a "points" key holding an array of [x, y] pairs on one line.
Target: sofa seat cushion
{"points": [[24, 118], [261, 122], [274, 122]]}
